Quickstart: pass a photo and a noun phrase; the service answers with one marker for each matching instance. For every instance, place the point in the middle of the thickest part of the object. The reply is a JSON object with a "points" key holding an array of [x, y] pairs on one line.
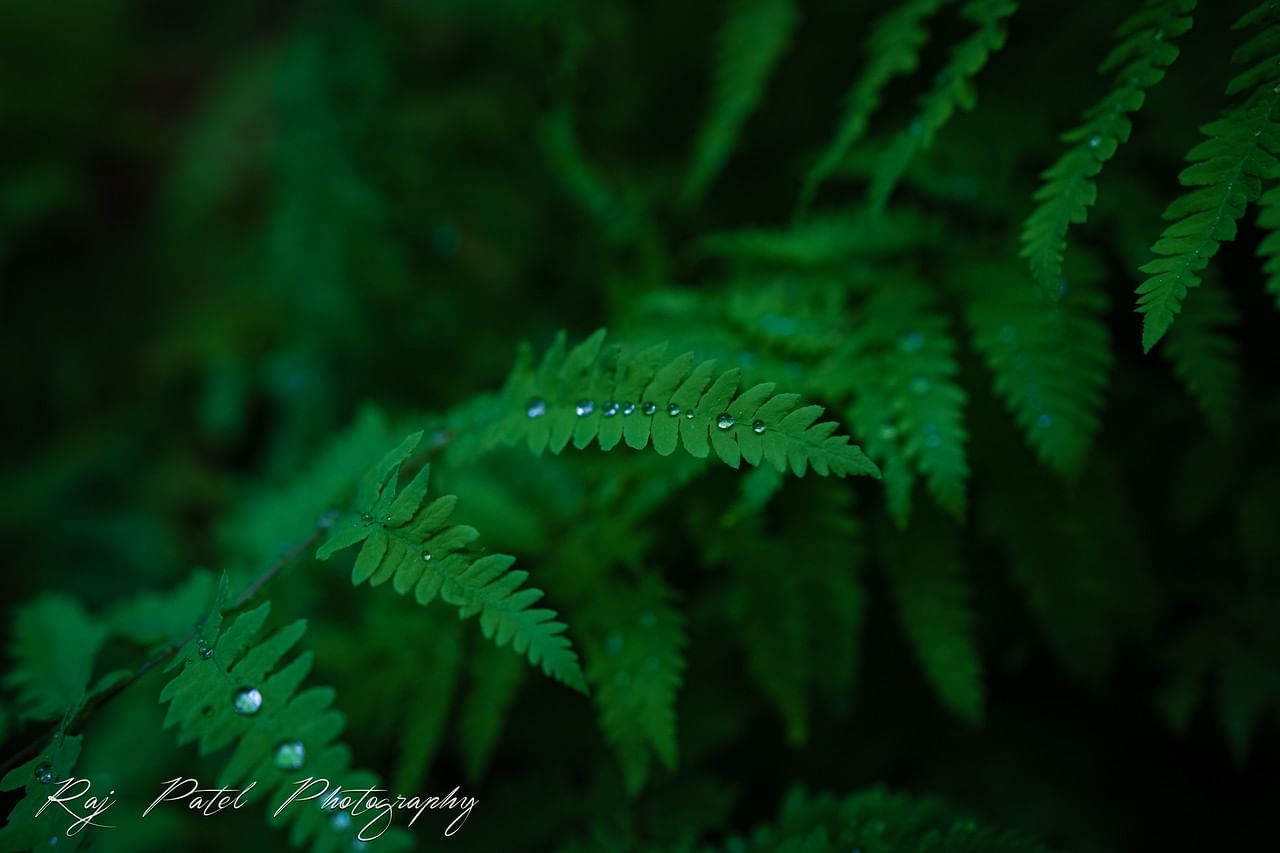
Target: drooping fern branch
{"points": [[635, 664], [407, 541], [1226, 174], [604, 394], [952, 89], [1069, 188], [894, 46], [1205, 355], [232, 691], [753, 40]]}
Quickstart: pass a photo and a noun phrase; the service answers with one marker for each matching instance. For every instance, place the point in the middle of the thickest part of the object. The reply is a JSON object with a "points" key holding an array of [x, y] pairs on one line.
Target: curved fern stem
{"points": [[1069, 188]]}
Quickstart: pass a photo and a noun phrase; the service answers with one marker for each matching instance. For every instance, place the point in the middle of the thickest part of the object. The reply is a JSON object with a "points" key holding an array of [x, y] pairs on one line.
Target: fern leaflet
{"points": [[1069, 189], [1205, 356], [1269, 248], [952, 89], [894, 45], [406, 541], [38, 778], [597, 393], [54, 645], [752, 42], [1225, 175], [232, 690]]}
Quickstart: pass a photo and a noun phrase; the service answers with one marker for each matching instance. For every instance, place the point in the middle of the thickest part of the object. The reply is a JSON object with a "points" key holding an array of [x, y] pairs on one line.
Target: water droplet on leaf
{"points": [[673, 410], [44, 774], [628, 408], [536, 408], [585, 407], [426, 556], [758, 427], [247, 701], [649, 408], [689, 414], [290, 755], [340, 821], [1095, 141], [610, 409], [725, 421]]}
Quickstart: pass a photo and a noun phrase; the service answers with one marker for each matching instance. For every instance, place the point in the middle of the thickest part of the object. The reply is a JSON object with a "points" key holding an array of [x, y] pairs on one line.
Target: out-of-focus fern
{"points": [[952, 89], [1050, 365], [876, 820], [1269, 248], [894, 47], [54, 645], [232, 691], [927, 576], [635, 664], [406, 541], [604, 394], [1068, 190], [900, 364], [1225, 176], [495, 677], [753, 40], [1205, 355]]}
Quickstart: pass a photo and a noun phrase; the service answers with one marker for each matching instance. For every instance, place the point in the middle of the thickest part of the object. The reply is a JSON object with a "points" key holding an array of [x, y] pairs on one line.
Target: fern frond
{"points": [[604, 394], [753, 40], [1050, 363], [495, 679], [232, 691], [1069, 189], [1269, 248], [901, 358], [38, 778], [635, 662], [151, 618], [952, 90], [406, 541], [880, 820], [894, 48], [1205, 355], [927, 577], [54, 645], [829, 239], [1225, 176]]}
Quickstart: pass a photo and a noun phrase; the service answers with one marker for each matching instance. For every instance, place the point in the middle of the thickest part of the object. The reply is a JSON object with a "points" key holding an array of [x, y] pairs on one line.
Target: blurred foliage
{"points": [[246, 248]]}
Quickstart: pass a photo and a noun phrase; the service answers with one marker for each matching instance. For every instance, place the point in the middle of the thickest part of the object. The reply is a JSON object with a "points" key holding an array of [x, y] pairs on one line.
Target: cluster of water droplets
{"points": [[537, 408], [44, 774], [204, 649]]}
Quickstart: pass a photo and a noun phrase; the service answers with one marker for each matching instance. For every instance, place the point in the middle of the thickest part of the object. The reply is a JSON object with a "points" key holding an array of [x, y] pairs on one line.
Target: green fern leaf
{"points": [[635, 661], [1269, 248], [598, 393], [25, 830], [406, 541], [901, 366], [894, 47], [1050, 362], [1226, 174], [495, 679], [927, 577], [1069, 189], [152, 618], [232, 691], [952, 90], [753, 40], [1205, 356], [54, 645]]}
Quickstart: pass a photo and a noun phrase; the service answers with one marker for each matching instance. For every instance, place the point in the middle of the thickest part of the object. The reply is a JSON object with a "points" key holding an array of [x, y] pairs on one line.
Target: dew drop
{"points": [[536, 408], [290, 754], [366, 518], [613, 644], [44, 774], [758, 427], [649, 408], [1095, 141], [206, 653], [725, 421], [628, 408], [426, 556], [53, 841], [673, 410], [920, 385], [913, 342], [340, 821], [689, 415], [247, 701], [610, 409], [1062, 286], [1044, 421], [585, 407]]}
